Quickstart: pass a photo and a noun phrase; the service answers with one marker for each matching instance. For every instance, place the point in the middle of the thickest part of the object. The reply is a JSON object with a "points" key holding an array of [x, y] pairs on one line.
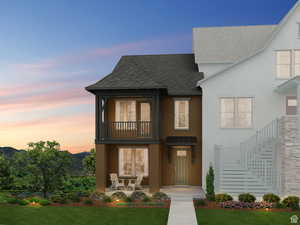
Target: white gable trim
{"points": [[274, 34]]}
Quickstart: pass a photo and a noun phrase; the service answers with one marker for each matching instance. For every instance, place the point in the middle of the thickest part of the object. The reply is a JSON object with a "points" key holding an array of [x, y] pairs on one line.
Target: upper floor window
{"points": [[284, 62], [288, 63], [236, 112], [181, 114], [125, 111]]}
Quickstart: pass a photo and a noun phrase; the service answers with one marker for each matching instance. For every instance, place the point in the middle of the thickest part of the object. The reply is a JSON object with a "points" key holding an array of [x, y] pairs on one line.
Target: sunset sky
{"points": [[51, 50]]}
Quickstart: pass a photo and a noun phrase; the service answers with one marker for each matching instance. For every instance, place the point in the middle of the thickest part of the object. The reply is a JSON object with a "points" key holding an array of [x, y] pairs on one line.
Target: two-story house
{"points": [[233, 104], [148, 121], [250, 104]]}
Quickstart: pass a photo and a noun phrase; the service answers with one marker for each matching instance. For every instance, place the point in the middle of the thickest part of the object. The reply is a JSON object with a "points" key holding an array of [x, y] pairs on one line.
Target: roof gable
{"points": [[177, 73], [228, 44], [277, 29]]}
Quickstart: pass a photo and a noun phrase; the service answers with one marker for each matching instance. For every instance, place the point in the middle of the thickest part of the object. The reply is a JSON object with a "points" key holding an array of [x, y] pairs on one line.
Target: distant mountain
{"points": [[77, 159], [8, 151]]}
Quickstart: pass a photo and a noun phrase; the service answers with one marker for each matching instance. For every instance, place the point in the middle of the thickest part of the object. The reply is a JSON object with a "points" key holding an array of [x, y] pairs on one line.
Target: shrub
{"points": [[108, 199], [138, 195], [200, 202], [160, 196], [271, 198], [22, 202], [210, 188], [247, 197], [88, 202], [98, 196], [119, 196], [146, 199], [128, 199], [279, 205], [12, 201], [223, 198], [291, 202], [44, 202], [74, 197], [59, 198], [248, 205]]}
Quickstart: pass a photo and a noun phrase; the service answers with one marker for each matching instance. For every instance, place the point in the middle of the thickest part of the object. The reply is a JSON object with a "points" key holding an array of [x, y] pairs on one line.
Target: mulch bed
{"points": [[120, 204], [215, 205]]}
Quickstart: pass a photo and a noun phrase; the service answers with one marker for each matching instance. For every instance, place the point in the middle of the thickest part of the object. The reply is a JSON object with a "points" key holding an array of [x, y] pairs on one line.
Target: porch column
{"points": [[298, 111], [101, 168], [154, 168]]}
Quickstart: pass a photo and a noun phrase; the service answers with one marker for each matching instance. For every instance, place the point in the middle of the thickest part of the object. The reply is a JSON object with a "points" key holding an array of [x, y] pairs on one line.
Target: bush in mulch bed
{"points": [[138, 196], [119, 196], [59, 198], [246, 205], [223, 198], [291, 202], [271, 198], [247, 197], [160, 196]]}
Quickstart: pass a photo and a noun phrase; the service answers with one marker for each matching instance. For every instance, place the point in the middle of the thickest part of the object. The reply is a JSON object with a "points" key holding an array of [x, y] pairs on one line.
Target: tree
{"points": [[43, 167], [89, 163], [6, 178], [210, 188]]}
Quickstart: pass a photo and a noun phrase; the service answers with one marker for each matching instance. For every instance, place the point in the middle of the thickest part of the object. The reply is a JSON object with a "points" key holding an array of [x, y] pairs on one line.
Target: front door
{"points": [[181, 167]]}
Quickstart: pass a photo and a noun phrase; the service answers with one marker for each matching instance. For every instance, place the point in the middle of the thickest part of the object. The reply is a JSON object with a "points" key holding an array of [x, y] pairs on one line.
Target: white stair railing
{"points": [[259, 154]]}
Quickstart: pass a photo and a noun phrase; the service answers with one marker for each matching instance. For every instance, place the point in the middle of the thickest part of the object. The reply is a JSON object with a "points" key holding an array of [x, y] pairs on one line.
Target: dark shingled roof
{"points": [[177, 73]]}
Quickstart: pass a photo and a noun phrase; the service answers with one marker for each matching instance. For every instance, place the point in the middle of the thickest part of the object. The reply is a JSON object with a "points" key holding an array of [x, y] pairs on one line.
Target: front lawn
{"points": [[51, 215], [243, 217]]}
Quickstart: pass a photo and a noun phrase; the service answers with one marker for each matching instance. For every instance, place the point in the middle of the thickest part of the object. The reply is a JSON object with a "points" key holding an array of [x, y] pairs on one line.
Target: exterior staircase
{"points": [[252, 167]]}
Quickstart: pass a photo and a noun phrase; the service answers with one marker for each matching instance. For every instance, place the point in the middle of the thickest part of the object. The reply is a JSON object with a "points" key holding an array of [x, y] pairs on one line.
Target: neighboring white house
{"points": [[250, 83]]}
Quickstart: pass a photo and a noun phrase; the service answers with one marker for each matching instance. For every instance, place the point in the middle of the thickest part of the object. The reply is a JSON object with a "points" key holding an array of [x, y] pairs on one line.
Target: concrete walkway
{"points": [[182, 211]]}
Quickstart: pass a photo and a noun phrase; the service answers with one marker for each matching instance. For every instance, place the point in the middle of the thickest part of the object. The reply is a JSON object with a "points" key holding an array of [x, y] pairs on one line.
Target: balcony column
{"points": [[101, 167], [298, 111], [156, 116], [97, 113]]}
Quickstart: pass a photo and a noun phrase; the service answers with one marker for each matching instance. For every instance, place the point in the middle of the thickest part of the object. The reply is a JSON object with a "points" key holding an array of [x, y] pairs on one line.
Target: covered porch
{"points": [[291, 90]]}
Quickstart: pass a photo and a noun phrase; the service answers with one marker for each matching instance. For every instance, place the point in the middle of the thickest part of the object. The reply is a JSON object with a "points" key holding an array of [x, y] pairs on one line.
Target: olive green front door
{"points": [[181, 167]]}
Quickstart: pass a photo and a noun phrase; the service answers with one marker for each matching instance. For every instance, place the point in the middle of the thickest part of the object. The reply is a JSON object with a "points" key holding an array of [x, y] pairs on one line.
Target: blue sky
{"points": [[50, 50]]}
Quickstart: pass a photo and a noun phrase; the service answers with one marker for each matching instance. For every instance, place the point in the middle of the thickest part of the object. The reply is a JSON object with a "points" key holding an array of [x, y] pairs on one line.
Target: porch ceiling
{"points": [[289, 86]]}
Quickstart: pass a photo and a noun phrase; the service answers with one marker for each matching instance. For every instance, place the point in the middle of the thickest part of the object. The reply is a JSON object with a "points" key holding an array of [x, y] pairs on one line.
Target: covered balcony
{"points": [[127, 119]]}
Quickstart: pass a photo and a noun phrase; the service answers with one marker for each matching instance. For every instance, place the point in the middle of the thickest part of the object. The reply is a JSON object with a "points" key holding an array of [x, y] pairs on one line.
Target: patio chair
{"points": [[115, 183], [136, 184]]}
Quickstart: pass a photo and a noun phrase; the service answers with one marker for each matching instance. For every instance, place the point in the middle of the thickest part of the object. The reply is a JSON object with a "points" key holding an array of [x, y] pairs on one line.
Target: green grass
{"points": [[235, 217], [52, 215]]}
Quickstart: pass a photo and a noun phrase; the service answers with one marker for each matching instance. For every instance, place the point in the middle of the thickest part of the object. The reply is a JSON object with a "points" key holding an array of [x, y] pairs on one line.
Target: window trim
{"points": [[174, 113], [292, 65], [235, 111], [134, 148]]}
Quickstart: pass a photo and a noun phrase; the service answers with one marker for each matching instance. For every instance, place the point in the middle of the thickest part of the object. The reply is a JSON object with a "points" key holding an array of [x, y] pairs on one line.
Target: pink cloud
{"points": [[73, 96], [87, 55]]}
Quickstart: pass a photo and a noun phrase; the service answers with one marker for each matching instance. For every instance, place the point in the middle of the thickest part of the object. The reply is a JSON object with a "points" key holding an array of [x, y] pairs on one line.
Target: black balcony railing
{"points": [[130, 129]]}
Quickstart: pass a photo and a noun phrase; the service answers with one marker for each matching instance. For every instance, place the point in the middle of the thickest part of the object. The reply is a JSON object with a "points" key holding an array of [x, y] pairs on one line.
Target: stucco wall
{"points": [[255, 78], [211, 68]]}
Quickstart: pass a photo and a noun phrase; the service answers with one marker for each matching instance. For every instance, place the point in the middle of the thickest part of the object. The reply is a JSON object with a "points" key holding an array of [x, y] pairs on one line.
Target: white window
{"points": [[236, 112], [297, 62], [181, 114], [284, 61], [125, 111], [133, 162]]}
